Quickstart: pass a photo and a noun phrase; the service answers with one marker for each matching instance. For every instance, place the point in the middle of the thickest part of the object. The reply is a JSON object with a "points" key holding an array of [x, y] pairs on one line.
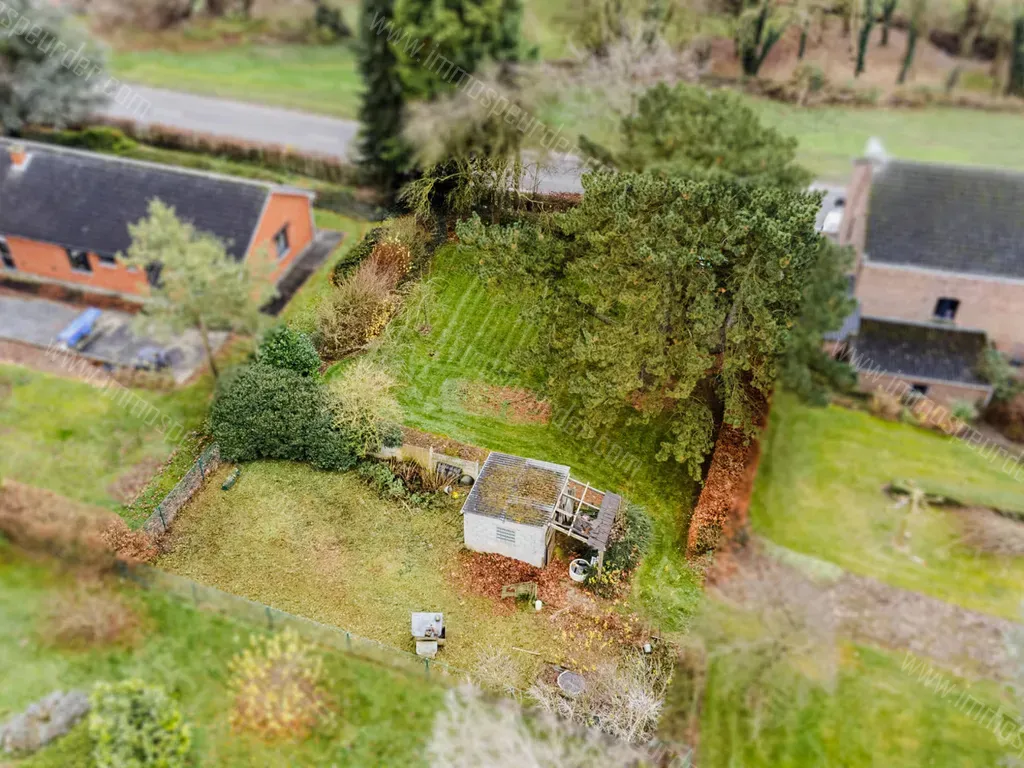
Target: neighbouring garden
{"points": [[63, 629], [821, 491]]}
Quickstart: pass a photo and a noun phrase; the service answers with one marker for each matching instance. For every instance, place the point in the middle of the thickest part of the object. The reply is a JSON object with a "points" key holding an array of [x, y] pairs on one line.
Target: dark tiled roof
{"points": [[918, 350], [84, 200], [947, 217], [517, 489]]}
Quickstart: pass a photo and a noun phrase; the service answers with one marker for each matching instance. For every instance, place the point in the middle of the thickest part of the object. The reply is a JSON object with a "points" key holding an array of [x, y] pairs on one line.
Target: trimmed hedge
{"points": [[356, 254]]}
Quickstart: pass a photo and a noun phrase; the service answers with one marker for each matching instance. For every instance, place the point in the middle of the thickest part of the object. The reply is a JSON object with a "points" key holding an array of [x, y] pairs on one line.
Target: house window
{"points": [[5, 255], [79, 260], [281, 242], [945, 309], [505, 534], [107, 259]]}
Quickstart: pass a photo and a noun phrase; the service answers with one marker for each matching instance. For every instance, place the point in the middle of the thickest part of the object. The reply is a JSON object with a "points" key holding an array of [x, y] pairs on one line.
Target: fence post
{"points": [[270, 619], [195, 594], [202, 469], [348, 641], [426, 666], [160, 510]]}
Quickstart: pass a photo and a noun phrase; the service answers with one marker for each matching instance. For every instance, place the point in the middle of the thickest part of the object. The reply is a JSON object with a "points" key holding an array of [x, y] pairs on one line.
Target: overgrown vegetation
{"points": [[134, 725]]}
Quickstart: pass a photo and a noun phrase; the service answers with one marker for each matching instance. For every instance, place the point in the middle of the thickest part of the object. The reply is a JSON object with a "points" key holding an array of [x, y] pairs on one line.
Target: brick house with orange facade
{"points": [[939, 274], [64, 216]]}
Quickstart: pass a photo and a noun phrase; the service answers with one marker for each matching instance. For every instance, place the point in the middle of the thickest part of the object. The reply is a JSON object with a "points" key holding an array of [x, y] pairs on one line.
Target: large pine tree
{"points": [[382, 153]]}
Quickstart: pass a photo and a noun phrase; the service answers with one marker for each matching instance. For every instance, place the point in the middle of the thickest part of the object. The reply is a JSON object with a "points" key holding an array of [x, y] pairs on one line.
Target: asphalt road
{"points": [[312, 133], [273, 125]]}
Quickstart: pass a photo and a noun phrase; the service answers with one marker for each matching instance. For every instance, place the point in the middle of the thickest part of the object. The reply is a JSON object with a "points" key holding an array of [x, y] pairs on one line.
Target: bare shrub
{"points": [[43, 521], [991, 533], [392, 258], [626, 698], [86, 618], [277, 686], [355, 312], [364, 406], [128, 545], [496, 670], [886, 406], [472, 731]]}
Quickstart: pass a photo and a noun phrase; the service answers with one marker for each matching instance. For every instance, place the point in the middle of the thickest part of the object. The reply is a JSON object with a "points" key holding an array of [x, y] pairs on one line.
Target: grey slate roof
{"points": [[516, 489], [961, 219], [919, 350], [85, 200]]}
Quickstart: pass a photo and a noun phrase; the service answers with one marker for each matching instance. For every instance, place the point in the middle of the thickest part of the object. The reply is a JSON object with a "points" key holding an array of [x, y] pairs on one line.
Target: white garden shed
{"points": [[517, 504]]}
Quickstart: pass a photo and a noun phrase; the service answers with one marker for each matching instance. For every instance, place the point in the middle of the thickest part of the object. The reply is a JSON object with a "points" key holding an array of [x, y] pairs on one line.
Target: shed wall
{"points": [[480, 533]]}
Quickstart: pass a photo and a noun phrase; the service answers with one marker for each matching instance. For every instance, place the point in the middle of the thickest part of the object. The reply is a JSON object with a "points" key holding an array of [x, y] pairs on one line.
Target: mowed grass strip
{"points": [[456, 329], [384, 718], [819, 491], [880, 712]]}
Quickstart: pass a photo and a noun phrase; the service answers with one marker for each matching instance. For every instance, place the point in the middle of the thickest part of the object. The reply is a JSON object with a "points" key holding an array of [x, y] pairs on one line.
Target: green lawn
{"points": [[879, 715], [455, 330], [819, 492], [67, 436], [324, 546], [311, 78], [383, 717], [831, 137]]}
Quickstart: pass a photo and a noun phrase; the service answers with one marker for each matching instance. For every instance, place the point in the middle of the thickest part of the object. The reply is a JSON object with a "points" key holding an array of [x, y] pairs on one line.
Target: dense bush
{"points": [[277, 687], [378, 475], [133, 725], [261, 412], [355, 312], [364, 406], [631, 540], [292, 350], [998, 372]]}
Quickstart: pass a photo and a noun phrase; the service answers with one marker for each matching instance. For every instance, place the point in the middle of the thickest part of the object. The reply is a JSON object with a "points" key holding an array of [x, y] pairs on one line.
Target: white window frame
{"points": [[287, 241]]}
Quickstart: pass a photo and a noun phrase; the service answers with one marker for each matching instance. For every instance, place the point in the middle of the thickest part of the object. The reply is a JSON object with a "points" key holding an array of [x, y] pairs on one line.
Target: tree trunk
{"points": [[206, 345], [803, 41], [908, 58], [217, 8], [888, 8], [865, 37], [1015, 80]]}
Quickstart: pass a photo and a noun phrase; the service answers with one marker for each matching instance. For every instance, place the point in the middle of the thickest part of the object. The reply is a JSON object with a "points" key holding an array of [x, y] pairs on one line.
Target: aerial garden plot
{"points": [[363, 548]]}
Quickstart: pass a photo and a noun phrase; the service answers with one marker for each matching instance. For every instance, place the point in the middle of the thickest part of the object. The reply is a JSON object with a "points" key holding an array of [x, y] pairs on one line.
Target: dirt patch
{"points": [[989, 532], [831, 51], [515, 405], [870, 611], [130, 484], [445, 445], [485, 575]]}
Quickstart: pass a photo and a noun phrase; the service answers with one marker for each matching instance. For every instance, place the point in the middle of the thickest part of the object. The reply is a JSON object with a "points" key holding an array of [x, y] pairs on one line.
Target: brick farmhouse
{"points": [[64, 216], [939, 275]]}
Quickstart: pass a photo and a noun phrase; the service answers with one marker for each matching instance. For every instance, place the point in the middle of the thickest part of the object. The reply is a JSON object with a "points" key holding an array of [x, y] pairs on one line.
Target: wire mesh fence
{"points": [[264, 617], [168, 509]]}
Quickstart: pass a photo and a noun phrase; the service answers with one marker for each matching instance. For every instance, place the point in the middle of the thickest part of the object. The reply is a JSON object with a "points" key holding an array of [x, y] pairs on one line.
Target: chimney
{"points": [[19, 157]]}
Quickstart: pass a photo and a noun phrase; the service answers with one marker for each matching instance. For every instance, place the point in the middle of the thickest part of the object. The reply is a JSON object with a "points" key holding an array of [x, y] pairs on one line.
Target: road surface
{"points": [[273, 125], [315, 133]]}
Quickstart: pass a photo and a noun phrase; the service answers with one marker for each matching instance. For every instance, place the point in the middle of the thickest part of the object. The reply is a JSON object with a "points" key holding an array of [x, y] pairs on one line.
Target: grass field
{"points": [[310, 78], [819, 492], [383, 717], [324, 546], [456, 330], [66, 436], [879, 714]]}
